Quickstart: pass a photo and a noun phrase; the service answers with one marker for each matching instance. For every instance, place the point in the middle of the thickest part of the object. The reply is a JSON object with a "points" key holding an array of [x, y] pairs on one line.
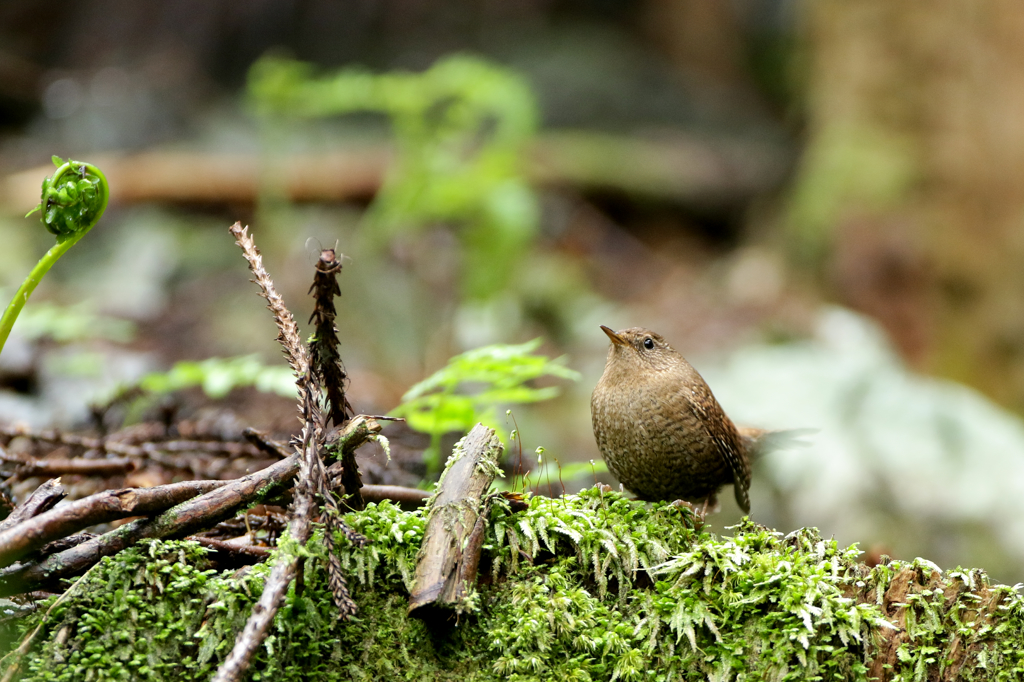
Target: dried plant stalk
{"points": [[327, 370], [324, 347], [326, 364], [288, 331], [312, 479]]}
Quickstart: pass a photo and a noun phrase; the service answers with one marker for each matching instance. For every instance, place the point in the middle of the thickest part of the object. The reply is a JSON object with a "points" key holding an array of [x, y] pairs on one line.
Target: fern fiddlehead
{"points": [[73, 200]]}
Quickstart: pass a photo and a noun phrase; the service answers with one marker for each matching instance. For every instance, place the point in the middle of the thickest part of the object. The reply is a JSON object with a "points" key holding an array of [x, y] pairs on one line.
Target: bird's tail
{"points": [[760, 442]]}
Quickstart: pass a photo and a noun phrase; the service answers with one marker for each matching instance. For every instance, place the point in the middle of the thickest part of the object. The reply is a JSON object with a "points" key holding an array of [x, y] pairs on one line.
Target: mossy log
{"points": [[590, 586]]}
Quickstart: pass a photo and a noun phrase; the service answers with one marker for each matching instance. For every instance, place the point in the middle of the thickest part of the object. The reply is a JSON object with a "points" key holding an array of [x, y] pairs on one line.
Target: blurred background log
{"points": [[676, 167]]}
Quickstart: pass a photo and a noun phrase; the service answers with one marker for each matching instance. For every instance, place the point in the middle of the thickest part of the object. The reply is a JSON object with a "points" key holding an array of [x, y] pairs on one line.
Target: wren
{"points": [[660, 429]]}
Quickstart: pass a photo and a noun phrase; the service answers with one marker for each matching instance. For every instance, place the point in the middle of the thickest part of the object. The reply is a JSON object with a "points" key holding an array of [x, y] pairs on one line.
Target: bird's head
{"points": [[637, 348]]}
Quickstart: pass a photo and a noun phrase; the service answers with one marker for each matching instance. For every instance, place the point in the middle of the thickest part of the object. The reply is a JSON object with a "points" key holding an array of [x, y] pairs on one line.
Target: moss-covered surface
{"points": [[589, 587]]}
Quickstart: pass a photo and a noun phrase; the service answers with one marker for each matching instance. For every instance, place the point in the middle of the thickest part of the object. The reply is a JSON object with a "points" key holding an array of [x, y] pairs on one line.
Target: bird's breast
{"points": [[653, 441]]}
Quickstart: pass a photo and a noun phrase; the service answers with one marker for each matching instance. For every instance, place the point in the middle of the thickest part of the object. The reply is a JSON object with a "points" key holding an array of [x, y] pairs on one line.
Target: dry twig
{"points": [[31, 534], [42, 498], [265, 444], [80, 466], [249, 554], [144, 450], [405, 496]]}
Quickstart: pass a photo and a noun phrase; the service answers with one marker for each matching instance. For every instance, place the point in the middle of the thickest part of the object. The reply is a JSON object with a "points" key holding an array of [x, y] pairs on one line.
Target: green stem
{"points": [[29, 285]]}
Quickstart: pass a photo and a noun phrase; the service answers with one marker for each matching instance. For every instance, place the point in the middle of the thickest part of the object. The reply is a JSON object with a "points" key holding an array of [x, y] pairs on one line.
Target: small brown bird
{"points": [[660, 429]]}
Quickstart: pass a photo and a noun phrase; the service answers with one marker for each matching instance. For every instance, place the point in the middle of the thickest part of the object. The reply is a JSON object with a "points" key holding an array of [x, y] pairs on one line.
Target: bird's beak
{"points": [[616, 339]]}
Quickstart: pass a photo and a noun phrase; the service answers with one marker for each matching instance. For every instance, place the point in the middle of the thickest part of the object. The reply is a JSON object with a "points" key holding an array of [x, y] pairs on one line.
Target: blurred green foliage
{"points": [[215, 376], [447, 247], [219, 376], [459, 129], [471, 386], [77, 322]]}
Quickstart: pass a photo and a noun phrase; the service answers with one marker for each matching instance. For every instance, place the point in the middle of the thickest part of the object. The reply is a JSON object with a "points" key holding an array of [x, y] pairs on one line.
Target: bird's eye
{"points": [[648, 343]]}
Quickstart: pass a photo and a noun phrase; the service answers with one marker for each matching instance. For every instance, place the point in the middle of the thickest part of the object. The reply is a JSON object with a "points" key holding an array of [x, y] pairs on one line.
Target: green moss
{"points": [[589, 587]]}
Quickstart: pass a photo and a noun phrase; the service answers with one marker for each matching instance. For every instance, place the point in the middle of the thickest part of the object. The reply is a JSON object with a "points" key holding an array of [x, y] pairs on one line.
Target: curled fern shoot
{"points": [[73, 200]]}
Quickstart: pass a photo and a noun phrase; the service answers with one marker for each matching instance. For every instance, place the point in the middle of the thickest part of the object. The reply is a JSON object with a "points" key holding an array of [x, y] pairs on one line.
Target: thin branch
{"points": [[265, 444], [263, 612], [408, 498], [31, 534], [60, 544], [288, 331], [284, 571], [396, 493], [80, 466], [144, 450], [249, 554], [42, 498]]}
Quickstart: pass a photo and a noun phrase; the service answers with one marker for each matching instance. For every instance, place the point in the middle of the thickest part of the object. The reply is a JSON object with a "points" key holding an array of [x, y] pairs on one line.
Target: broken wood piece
{"points": [[447, 560], [42, 498]]}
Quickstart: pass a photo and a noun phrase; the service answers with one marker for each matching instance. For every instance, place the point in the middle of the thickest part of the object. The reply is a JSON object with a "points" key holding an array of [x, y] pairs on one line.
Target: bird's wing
{"points": [[722, 431]]}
